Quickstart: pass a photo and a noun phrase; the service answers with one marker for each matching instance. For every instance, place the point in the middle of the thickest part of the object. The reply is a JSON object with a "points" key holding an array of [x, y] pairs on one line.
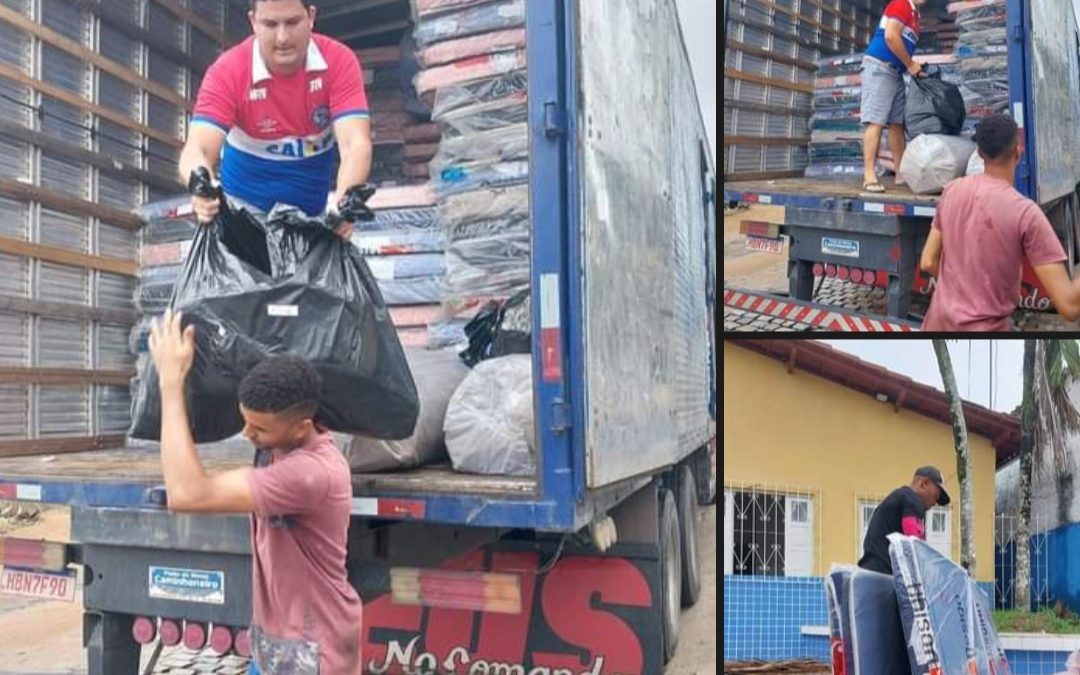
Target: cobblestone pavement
{"points": [[183, 661]]}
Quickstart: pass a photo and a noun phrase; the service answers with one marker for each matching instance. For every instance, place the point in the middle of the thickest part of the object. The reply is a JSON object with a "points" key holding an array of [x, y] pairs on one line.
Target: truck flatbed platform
{"points": [[142, 466], [832, 194]]}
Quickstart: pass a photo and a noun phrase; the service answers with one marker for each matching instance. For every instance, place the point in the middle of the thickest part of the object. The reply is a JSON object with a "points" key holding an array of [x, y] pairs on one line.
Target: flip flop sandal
{"points": [[876, 188]]}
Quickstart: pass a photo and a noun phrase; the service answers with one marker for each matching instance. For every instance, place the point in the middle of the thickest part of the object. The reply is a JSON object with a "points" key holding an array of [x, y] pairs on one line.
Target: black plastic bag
{"points": [[933, 106], [288, 285], [490, 336]]}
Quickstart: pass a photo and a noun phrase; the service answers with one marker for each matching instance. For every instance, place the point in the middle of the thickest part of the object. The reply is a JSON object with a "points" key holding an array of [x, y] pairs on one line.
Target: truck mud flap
{"points": [[516, 606]]}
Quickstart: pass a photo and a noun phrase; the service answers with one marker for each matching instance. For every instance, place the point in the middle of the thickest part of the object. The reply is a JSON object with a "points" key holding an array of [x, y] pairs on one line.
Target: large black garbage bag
{"points": [[289, 285], [933, 106]]}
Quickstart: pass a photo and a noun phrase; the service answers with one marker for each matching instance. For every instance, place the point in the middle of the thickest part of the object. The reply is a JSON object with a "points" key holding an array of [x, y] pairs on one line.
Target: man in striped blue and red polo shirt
{"points": [[888, 56], [271, 112]]}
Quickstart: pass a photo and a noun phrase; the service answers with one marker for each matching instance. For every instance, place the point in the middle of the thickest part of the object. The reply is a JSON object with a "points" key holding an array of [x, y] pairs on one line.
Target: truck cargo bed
{"points": [[813, 192], [141, 466]]}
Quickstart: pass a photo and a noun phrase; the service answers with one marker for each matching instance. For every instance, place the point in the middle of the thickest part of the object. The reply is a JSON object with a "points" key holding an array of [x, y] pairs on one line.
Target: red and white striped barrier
{"points": [[815, 316]]}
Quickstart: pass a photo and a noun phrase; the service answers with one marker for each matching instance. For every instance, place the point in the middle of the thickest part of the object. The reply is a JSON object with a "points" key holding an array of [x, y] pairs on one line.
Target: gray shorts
{"points": [[883, 96]]}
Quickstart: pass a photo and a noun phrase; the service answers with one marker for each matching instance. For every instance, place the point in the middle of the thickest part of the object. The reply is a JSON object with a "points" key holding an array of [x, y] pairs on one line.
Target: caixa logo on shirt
{"points": [[301, 147]]}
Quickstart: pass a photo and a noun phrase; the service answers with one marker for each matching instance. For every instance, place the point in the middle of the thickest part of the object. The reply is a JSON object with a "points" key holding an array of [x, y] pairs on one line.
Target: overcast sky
{"points": [[915, 358], [698, 19]]}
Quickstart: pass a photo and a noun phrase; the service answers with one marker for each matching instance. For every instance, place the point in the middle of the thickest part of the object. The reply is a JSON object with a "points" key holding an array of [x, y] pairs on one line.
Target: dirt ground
{"points": [[696, 653], [45, 637], [751, 269]]}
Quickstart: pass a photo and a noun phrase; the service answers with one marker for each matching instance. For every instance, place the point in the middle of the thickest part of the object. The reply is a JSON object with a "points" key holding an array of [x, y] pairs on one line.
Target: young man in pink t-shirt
{"points": [[982, 232], [305, 614]]}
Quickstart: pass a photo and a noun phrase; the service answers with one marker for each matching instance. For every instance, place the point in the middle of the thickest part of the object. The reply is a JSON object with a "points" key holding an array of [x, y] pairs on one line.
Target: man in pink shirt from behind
{"points": [[305, 614], [982, 232]]}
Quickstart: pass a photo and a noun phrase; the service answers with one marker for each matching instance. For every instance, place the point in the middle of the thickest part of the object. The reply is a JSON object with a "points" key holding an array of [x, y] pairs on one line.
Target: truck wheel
{"points": [[688, 522], [670, 573]]}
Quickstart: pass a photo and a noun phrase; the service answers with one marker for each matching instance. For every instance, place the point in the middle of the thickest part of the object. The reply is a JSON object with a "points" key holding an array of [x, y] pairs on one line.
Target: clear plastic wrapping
{"points": [[396, 242], [412, 291], [385, 267], [485, 116], [505, 85], [467, 70], [472, 20], [489, 421], [475, 45], [500, 203], [502, 144], [477, 175], [488, 258]]}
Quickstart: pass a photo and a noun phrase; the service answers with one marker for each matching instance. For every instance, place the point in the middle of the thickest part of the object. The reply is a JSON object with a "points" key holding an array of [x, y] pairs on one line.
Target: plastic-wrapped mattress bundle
{"points": [[405, 251], [836, 130], [944, 614], [870, 632], [474, 76], [982, 53]]}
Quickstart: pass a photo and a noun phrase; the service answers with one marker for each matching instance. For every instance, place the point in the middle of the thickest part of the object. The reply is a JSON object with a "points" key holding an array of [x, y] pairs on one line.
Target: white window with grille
{"points": [[799, 537], [866, 512], [939, 530], [770, 532]]}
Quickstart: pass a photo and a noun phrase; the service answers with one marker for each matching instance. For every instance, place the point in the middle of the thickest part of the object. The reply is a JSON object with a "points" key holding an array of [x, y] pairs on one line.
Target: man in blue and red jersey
{"points": [[273, 108], [888, 57]]}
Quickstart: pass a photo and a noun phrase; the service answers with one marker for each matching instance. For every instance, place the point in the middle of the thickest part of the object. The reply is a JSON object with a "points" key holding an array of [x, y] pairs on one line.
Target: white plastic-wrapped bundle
{"points": [[975, 165], [489, 422], [931, 161]]}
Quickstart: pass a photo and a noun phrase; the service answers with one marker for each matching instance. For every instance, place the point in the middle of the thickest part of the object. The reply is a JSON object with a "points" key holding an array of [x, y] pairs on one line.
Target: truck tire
{"points": [[688, 535], [670, 573]]}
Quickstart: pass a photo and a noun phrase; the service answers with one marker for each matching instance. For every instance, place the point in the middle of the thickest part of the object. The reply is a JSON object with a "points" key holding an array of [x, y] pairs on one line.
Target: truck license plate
{"points": [[38, 584], [764, 245]]}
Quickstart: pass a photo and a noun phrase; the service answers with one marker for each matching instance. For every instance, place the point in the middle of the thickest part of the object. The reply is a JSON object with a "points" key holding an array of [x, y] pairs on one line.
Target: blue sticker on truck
{"points": [[187, 585], [848, 248]]}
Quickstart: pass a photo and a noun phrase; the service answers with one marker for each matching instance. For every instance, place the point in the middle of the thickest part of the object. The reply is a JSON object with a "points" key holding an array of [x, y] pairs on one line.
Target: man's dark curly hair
{"points": [[997, 136], [282, 384]]}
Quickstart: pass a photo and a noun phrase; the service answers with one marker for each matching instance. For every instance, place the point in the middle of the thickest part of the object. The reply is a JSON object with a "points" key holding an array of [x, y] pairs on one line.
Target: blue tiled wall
{"points": [[763, 618], [1036, 663]]}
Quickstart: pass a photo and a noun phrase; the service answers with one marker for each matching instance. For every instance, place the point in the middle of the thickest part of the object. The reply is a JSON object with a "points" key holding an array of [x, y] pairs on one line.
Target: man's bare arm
{"points": [[353, 136], [1063, 292], [930, 262], [187, 485], [203, 148]]}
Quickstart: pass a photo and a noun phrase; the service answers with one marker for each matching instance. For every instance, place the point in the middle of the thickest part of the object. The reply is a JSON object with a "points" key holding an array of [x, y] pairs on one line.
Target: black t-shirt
{"points": [[888, 518]]}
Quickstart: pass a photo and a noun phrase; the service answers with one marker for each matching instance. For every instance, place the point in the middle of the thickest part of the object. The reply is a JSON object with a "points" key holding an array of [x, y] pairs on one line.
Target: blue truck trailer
{"points": [[834, 227], [580, 568]]}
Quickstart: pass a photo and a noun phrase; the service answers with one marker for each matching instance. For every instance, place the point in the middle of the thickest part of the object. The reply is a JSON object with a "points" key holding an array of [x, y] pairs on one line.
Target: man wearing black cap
{"points": [[904, 511]]}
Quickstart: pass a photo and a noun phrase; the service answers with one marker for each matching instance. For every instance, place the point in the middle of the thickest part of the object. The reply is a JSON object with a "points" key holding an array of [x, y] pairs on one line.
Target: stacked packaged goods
{"points": [[403, 247], [982, 55], [472, 59], [835, 128], [404, 139]]}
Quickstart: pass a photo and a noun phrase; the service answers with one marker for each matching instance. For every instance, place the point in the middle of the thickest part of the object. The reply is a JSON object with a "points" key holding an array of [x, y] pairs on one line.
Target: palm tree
{"points": [[963, 455], [1047, 418]]}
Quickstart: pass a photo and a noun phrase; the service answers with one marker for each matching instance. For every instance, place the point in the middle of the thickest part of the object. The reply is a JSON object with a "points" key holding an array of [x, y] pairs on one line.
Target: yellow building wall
{"points": [[802, 431]]}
